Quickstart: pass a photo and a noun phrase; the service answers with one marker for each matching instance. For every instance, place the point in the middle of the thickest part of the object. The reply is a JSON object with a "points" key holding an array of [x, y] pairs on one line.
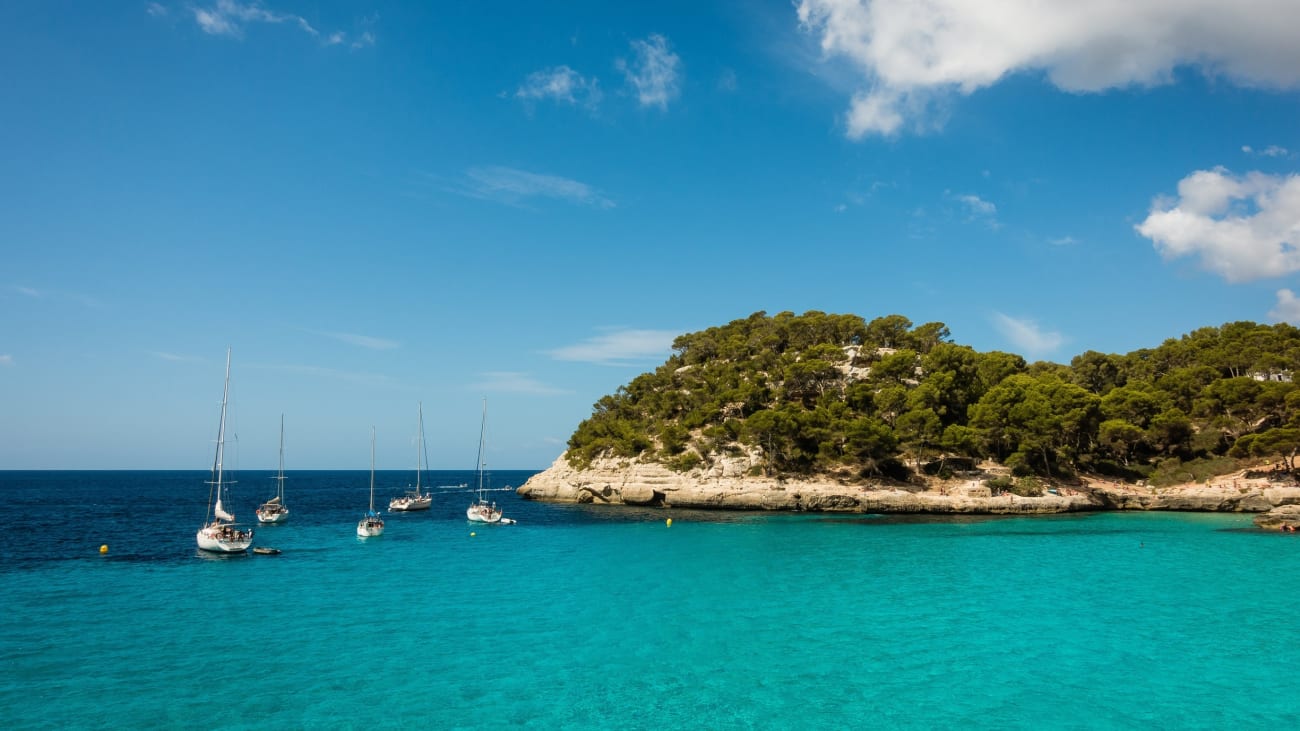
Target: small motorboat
{"points": [[266, 551]]}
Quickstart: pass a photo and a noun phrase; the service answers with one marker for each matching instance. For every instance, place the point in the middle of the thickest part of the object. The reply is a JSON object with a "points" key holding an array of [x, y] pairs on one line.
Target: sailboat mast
{"points": [[482, 431], [419, 448], [372, 469], [281, 477], [221, 441]]}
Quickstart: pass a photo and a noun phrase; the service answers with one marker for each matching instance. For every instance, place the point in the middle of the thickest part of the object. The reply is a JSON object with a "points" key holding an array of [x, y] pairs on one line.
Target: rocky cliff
{"points": [[726, 485]]}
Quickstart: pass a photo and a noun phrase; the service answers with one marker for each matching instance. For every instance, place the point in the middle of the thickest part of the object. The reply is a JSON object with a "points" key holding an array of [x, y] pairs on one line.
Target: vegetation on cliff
{"points": [[835, 394]]}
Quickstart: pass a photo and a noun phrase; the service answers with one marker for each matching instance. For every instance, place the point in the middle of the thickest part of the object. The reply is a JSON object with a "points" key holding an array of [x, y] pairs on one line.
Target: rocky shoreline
{"points": [[727, 486]]}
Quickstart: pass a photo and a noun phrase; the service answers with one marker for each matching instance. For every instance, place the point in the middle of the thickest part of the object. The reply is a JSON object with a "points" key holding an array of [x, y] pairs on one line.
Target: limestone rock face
{"points": [[727, 485], [1285, 517], [1199, 498]]}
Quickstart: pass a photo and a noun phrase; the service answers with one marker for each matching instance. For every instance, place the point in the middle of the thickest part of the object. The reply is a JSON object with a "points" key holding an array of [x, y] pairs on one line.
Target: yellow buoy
{"points": [[669, 522], [103, 548], [472, 534]]}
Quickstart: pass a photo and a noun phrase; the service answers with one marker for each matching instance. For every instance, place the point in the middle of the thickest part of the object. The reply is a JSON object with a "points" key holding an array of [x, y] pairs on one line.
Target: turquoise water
{"points": [[588, 618]]}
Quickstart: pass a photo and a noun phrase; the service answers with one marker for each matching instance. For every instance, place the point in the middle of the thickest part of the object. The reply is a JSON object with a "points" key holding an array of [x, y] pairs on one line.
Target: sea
{"points": [[586, 617]]}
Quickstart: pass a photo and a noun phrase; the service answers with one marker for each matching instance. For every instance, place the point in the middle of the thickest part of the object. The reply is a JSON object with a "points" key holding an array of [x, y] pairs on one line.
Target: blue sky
{"points": [[380, 203]]}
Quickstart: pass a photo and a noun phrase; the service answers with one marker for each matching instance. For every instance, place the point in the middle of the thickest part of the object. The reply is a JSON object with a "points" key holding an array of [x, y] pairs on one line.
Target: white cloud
{"points": [[512, 186], [30, 292], [1287, 308], [1027, 335], [977, 206], [1270, 151], [653, 71], [6, 360], [1241, 227], [561, 84], [515, 382], [909, 54], [620, 347], [363, 341], [228, 17], [1063, 241], [978, 209], [156, 10]]}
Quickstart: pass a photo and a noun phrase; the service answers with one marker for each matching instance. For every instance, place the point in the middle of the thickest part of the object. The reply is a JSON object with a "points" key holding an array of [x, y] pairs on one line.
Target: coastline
{"points": [[726, 486]]}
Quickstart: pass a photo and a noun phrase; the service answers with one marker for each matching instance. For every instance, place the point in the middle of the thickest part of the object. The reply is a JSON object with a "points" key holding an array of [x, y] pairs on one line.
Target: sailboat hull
{"points": [[370, 528], [408, 504], [272, 517], [482, 513], [224, 539]]}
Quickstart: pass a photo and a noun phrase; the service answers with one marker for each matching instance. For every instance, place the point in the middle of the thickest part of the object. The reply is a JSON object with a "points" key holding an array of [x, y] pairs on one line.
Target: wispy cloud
{"points": [[175, 357], [560, 84], [1242, 227], [6, 360], [910, 57], [156, 10], [1270, 151], [654, 71], [230, 18], [55, 295], [619, 347], [860, 196], [977, 206], [339, 38], [372, 379], [1063, 241], [515, 382], [1027, 335], [728, 81], [508, 185], [361, 341], [978, 209]]}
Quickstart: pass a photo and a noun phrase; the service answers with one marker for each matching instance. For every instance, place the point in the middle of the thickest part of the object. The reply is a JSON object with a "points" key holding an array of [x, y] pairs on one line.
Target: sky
{"points": [[382, 206]]}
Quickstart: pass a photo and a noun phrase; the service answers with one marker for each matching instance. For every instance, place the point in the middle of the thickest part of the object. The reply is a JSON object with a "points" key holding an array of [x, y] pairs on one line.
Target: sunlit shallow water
{"points": [[582, 617]]}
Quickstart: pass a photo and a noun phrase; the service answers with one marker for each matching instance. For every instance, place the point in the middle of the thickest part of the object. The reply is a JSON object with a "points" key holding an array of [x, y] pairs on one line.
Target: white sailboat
{"points": [[219, 533], [414, 499], [274, 510], [372, 524], [482, 511]]}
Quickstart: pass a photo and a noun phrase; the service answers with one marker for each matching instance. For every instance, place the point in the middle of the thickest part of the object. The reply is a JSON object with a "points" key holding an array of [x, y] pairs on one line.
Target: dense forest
{"points": [[823, 394]]}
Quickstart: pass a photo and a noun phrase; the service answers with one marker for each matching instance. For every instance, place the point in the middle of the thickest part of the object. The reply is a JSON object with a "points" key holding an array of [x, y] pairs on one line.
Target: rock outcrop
{"points": [[1285, 517], [611, 482], [727, 484]]}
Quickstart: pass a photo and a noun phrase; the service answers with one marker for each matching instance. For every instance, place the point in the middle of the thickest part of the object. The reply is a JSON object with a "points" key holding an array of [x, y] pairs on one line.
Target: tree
{"points": [[890, 331], [1097, 372], [919, 429], [1120, 437]]}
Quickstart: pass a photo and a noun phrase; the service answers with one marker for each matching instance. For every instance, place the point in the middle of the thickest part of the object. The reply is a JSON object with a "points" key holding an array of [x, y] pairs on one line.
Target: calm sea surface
{"points": [[590, 618]]}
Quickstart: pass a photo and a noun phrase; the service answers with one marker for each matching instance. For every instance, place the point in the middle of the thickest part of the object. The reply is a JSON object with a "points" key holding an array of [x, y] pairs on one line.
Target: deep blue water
{"points": [[581, 617]]}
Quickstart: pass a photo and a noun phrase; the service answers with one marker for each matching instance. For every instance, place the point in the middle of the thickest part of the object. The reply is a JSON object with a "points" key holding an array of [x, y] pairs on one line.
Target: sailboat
{"points": [[274, 510], [219, 533], [414, 499], [481, 511], [372, 524]]}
